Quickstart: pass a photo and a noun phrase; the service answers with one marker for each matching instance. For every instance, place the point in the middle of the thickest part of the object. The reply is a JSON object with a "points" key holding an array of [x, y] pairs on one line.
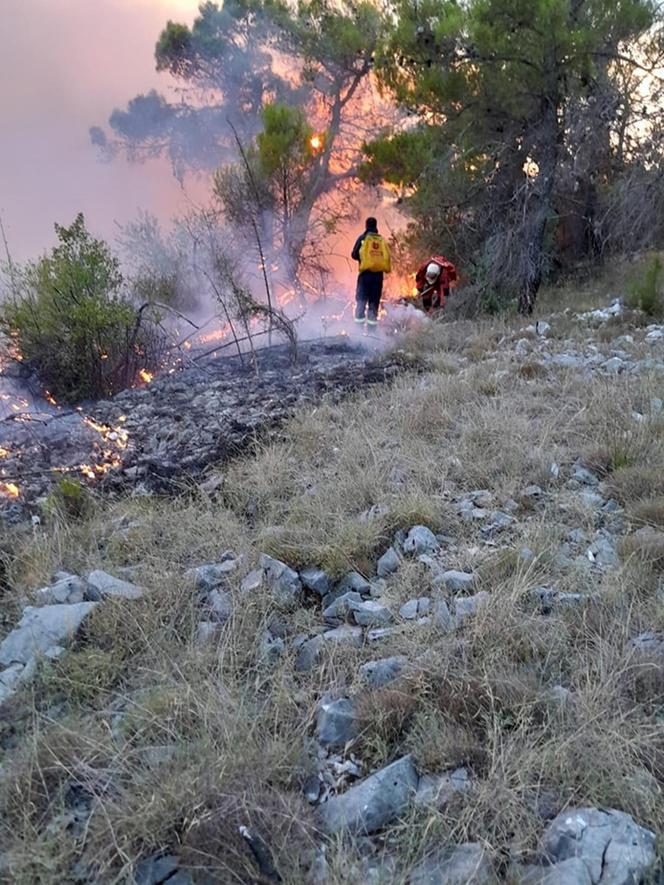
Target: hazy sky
{"points": [[64, 66]]}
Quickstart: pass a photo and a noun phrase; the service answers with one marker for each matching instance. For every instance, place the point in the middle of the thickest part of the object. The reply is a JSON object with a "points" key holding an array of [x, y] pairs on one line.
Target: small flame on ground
{"points": [[50, 398], [145, 376], [316, 143], [4, 453], [10, 489]]}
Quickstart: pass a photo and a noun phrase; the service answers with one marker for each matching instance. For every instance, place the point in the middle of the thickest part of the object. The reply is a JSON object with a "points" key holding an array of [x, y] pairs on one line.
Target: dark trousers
{"points": [[368, 294], [431, 300]]}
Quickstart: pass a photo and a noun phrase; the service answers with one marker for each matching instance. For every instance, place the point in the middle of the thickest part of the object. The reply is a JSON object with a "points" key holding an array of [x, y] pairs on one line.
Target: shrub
{"points": [[71, 323], [645, 293]]}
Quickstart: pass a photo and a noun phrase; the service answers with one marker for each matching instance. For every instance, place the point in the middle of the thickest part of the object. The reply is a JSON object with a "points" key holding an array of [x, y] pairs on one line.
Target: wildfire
{"points": [[316, 143], [145, 376], [4, 453], [10, 489], [50, 398]]}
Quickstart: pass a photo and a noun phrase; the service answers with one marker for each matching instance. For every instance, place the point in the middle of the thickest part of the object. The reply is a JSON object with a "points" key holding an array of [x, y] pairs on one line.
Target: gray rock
{"points": [[458, 582], [481, 497], [344, 636], [355, 582], [613, 365], [533, 491], [526, 554], [388, 563], [271, 648], [613, 847], [372, 614], [467, 606], [570, 872], [283, 582], [585, 476], [439, 789], [253, 581], [415, 608], [220, 605], [378, 587], [208, 631], [499, 521], [375, 634], [420, 539], [316, 580], [308, 654], [337, 612], [40, 629], [441, 615], [155, 870], [210, 576], [68, 589], [336, 722], [381, 672], [102, 585], [604, 553], [372, 803], [466, 864], [647, 644]]}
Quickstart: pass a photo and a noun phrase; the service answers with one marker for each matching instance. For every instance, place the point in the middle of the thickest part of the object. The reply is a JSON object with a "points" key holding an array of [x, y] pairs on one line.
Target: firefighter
{"points": [[373, 255], [433, 281]]}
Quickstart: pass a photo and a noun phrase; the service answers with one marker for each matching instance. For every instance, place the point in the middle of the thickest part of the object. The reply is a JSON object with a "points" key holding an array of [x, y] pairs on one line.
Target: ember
{"points": [[10, 489], [146, 376]]}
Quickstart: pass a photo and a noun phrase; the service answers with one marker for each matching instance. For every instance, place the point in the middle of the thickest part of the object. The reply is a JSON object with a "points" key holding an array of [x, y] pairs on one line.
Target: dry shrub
{"points": [[383, 717], [530, 369], [648, 547], [633, 483], [649, 512]]}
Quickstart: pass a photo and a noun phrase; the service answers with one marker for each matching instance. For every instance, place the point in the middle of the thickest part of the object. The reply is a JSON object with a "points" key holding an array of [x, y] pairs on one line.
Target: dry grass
{"points": [[159, 743]]}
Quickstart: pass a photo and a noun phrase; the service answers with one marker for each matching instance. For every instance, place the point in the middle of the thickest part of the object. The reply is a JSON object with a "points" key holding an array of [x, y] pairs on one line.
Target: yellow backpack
{"points": [[374, 254]]}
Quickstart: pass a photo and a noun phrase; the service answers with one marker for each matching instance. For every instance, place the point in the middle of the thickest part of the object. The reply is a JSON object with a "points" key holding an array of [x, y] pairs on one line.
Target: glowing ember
{"points": [[4, 453], [10, 489], [316, 143], [50, 398], [146, 376]]}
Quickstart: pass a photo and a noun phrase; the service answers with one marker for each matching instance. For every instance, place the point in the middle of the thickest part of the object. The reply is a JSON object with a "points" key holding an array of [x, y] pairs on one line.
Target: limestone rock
{"points": [[40, 629], [211, 575], [381, 672], [420, 539], [102, 585], [316, 580], [458, 582], [415, 608], [67, 589], [372, 614], [466, 864], [388, 563], [336, 722], [283, 582]]}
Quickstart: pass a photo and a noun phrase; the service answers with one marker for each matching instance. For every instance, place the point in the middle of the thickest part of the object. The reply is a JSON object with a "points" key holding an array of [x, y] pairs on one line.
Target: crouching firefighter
{"points": [[373, 255], [433, 281]]}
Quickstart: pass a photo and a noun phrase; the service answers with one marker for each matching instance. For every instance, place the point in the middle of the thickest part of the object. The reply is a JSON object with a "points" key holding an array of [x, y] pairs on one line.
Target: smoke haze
{"points": [[64, 66]]}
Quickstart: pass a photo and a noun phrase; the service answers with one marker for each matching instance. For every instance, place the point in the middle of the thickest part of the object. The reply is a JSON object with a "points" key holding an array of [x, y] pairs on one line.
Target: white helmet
{"points": [[433, 271]]}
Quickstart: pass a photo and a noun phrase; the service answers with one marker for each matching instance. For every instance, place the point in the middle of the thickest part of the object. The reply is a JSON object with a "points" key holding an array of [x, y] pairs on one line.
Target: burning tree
{"points": [[286, 84], [67, 318], [523, 112]]}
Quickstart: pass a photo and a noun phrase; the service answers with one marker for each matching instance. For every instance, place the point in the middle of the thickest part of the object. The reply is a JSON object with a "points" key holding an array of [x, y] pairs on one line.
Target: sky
{"points": [[64, 66]]}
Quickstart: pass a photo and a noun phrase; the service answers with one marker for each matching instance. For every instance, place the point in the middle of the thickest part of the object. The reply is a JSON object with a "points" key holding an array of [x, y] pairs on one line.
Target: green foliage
{"points": [[645, 292], [68, 498], [72, 324], [284, 144]]}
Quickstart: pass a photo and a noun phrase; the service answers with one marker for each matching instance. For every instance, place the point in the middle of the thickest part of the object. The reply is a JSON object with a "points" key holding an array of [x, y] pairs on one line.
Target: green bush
{"points": [[645, 293], [72, 324]]}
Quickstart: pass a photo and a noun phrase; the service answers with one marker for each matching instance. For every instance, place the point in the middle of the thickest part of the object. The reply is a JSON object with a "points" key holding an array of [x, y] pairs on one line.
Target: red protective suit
{"points": [[434, 294]]}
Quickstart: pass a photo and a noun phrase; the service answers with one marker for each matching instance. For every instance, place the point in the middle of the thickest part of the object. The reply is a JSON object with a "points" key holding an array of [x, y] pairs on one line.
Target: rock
{"points": [[656, 405], [308, 654], [68, 589], [253, 581], [585, 476], [271, 648], [388, 563], [439, 789], [372, 614], [345, 636], [467, 606], [381, 672], [466, 864], [220, 605], [612, 846], [481, 498], [458, 582], [570, 872], [336, 722], [372, 803], [102, 585], [338, 611], [614, 365], [499, 521], [155, 870], [420, 539], [316, 580], [542, 328], [208, 631], [533, 491], [378, 587], [40, 629], [283, 582], [210, 576], [441, 615], [526, 554], [356, 583], [415, 608], [647, 644], [604, 553], [378, 633]]}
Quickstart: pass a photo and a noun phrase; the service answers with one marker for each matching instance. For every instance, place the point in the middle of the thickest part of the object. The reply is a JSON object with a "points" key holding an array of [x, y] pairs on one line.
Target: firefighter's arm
{"points": [[355, 254], [389, 259]]}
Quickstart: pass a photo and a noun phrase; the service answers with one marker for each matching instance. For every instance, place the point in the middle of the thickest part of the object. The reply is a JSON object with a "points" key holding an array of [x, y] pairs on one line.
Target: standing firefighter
{"points": [[374, 257], [433, 281]]}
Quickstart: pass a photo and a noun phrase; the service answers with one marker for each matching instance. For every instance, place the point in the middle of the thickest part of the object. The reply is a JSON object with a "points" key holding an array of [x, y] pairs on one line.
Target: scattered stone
{"points": [[441, 615], [614, 365], [308, 654], [603, 553], [526, 554], [42, 629], [439, 789], [388, 563], [283, 582], [372, 614], [355, 582], [458, 582], [375, 512], [338, 610], [466, 864], [101, 585], [613, 847], [585, 476], [647, 644], [378, 587], [381, 672], [467, 606], [570, 872], [344, 636], [378, 633], [499, 521], [210, 576], [67, 589], [420, 539], [316, 580], [372, 803], [336, 722], [271, 648], [208, 631], [415, 608], [158, 869], [253, 581], [220, 605], [533, 491], [481, 498]]}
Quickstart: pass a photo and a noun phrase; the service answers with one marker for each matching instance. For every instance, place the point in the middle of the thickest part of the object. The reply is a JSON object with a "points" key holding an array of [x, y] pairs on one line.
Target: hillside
{"points": [[418, 637]]}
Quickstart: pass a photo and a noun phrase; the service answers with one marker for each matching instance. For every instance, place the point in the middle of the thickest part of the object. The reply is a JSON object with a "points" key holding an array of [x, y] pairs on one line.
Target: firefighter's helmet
{"points": [[432, 272]]}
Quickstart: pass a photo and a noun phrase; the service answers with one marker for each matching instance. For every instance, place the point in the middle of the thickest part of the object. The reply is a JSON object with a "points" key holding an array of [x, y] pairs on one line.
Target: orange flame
{"points": [[146, 376], [316, 143], [10, 489]]}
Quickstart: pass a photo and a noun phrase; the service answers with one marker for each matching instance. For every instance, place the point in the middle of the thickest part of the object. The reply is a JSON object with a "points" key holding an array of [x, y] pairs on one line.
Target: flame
{"points": [[50, 398], [4, 453], [316, 143], [10, 489], [146, 376]]}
